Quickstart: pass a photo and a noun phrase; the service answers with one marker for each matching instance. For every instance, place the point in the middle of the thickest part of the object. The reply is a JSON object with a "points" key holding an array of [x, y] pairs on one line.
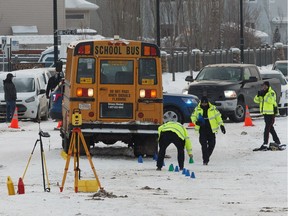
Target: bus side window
{"points": [[86, 70]]}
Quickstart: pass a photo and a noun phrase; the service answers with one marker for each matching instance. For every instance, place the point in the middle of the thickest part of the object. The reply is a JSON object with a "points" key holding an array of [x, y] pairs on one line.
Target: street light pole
{"points": [[241, 32], [55, 28], [158, 21]]}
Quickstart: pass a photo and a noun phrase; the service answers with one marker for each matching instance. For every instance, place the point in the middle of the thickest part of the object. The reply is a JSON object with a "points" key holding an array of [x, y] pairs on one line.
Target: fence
{"points": [[179, 62]]}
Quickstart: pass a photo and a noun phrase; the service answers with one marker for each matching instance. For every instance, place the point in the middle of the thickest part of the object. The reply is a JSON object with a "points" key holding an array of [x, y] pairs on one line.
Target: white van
{"points": [[31, 99]]}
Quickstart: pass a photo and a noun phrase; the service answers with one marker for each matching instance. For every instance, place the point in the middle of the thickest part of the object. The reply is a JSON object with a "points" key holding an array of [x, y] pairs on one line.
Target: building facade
{"points": [[18, 17]]}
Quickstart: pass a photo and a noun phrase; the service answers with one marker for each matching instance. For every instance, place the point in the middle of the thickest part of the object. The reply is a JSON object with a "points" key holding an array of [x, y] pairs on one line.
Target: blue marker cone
{"points": [[176, 169], [193, 175], [184, 171], [140, 159], [187, 173], [171, 168]]}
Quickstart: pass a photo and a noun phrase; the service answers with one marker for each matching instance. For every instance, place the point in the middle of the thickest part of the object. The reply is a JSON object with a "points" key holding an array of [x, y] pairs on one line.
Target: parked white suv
{"points": [[31, 99]]}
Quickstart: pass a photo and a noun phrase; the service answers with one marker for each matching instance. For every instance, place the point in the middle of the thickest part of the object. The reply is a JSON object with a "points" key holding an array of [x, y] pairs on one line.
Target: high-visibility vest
{"points": [[214, 117], [267, 103], [181, 132]]}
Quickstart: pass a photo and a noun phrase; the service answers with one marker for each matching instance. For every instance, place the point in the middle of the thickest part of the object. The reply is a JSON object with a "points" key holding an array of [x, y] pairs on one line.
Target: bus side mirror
{"points": [[59, 66]]}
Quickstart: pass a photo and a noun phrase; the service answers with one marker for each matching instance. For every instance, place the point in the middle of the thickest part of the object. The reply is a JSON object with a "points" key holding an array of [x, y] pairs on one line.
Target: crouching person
{"points": [[173, 132]]}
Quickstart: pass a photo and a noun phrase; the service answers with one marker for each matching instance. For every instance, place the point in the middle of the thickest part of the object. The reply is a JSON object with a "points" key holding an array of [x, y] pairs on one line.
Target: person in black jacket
{"points": [[52, 83], [10, 95]]}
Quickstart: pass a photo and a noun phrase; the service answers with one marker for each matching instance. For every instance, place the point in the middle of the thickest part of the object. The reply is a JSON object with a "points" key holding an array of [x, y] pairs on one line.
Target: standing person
{"points": [[266, 98], [10, 95], [173, 132], [207, 120], [52, 83]]}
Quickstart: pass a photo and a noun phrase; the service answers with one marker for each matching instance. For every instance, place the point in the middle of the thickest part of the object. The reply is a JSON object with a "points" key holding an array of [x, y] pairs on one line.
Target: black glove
{"points": [[222, 129], [260, 93]]}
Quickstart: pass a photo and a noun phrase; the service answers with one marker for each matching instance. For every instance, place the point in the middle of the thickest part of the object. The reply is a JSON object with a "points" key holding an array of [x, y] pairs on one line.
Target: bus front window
{"points": [[147, 72], [86, 70]]}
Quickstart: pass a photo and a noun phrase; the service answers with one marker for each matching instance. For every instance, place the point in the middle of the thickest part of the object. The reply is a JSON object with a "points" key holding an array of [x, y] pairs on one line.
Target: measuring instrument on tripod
{"points": [[77, 139], [43, 159]]}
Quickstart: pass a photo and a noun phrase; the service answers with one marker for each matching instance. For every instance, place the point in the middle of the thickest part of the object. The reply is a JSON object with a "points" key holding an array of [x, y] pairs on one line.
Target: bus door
{"points": [[116, 89]]}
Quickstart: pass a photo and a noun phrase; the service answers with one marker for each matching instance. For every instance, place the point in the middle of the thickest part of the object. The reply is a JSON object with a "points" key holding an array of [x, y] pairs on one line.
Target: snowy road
{"points": [[237, 180]]}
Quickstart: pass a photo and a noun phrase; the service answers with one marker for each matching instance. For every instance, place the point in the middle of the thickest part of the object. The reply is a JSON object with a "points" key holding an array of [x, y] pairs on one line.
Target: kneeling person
{"points": [[173, 132]]}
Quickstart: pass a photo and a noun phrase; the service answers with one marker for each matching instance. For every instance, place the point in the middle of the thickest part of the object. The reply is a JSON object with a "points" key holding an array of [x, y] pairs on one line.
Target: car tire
{"points": [[38, 117], [283, 112], [172, 114], [239, 113], [46, 116]]}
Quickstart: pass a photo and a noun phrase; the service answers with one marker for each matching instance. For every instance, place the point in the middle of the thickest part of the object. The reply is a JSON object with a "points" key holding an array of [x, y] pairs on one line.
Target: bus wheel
{"points": [[145, 145]]}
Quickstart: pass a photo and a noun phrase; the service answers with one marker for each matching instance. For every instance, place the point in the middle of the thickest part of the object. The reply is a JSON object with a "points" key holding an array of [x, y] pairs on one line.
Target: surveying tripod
{"points": [[77, 138], [43, 160]]}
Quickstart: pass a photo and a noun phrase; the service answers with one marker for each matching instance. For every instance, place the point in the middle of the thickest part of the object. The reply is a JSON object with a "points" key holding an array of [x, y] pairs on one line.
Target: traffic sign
{"points": [[67, 32]]}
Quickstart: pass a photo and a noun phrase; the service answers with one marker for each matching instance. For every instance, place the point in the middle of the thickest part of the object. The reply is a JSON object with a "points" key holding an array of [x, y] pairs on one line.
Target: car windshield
{"points": [[21, 84], [217, 73], [283, 67], [277, 76]]}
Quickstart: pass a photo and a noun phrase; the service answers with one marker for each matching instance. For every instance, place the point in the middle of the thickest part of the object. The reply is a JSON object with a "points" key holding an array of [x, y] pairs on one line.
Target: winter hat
{"points": [[9, 76], [204, 99], [266, 83]]}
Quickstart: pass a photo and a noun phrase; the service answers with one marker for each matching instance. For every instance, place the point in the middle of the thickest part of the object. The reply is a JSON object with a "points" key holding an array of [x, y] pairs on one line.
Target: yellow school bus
{"points": [[116, 87]]}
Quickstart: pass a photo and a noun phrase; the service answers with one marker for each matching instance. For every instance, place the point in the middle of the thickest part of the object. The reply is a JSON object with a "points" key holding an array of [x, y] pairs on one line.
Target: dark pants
{"points": [[10, 108], [207, 141], [269, 121], [166, 138]]}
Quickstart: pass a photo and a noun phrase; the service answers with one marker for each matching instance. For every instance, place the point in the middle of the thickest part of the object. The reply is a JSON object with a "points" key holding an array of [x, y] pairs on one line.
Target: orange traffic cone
{"points": [[14, 122], [248, 120], [59, 125]]}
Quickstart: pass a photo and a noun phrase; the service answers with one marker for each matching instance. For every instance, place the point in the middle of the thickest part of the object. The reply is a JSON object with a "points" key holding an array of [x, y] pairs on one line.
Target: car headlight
{"points": [[230, 94], [29, 100], [189, 100], [185, 91]]}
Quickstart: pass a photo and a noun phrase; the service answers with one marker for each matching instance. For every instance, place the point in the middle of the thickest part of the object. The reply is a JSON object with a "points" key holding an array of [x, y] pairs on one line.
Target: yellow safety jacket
{"points": [[181, 131], [213, 114], [267, 103]]}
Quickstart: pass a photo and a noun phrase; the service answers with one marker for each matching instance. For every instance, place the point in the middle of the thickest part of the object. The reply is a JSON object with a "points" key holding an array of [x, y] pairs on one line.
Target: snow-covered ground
{"points": [[237, 180]]}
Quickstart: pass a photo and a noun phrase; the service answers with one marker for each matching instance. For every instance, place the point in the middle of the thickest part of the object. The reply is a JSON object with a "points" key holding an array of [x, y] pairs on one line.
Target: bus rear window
{"points": [[86, 70], [116, 72], [147, 72]]}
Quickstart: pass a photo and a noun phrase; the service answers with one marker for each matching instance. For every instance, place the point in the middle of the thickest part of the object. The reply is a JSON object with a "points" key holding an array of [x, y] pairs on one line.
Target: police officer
{"points": [[207, 120], [266, 98], [173, 132]]}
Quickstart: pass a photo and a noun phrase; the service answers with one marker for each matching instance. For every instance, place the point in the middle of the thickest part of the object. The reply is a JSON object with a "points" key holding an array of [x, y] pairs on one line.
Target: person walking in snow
{"points": [[266, 98], [207, 120], [173, 132], [10, 96]]}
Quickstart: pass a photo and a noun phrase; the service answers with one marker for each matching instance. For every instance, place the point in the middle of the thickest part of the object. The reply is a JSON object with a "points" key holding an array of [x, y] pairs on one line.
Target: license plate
{"points": [[84, 106]]}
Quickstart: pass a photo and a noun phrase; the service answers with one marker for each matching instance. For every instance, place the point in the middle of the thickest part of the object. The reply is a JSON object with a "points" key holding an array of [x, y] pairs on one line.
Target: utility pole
{"points": [[55, 28], [241, 32], [158, 21]]}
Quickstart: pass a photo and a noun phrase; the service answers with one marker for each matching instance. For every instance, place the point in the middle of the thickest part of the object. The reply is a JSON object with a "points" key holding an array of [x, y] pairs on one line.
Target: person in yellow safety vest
{"points": [[173, 132], [207, 120], [266, 98]]}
